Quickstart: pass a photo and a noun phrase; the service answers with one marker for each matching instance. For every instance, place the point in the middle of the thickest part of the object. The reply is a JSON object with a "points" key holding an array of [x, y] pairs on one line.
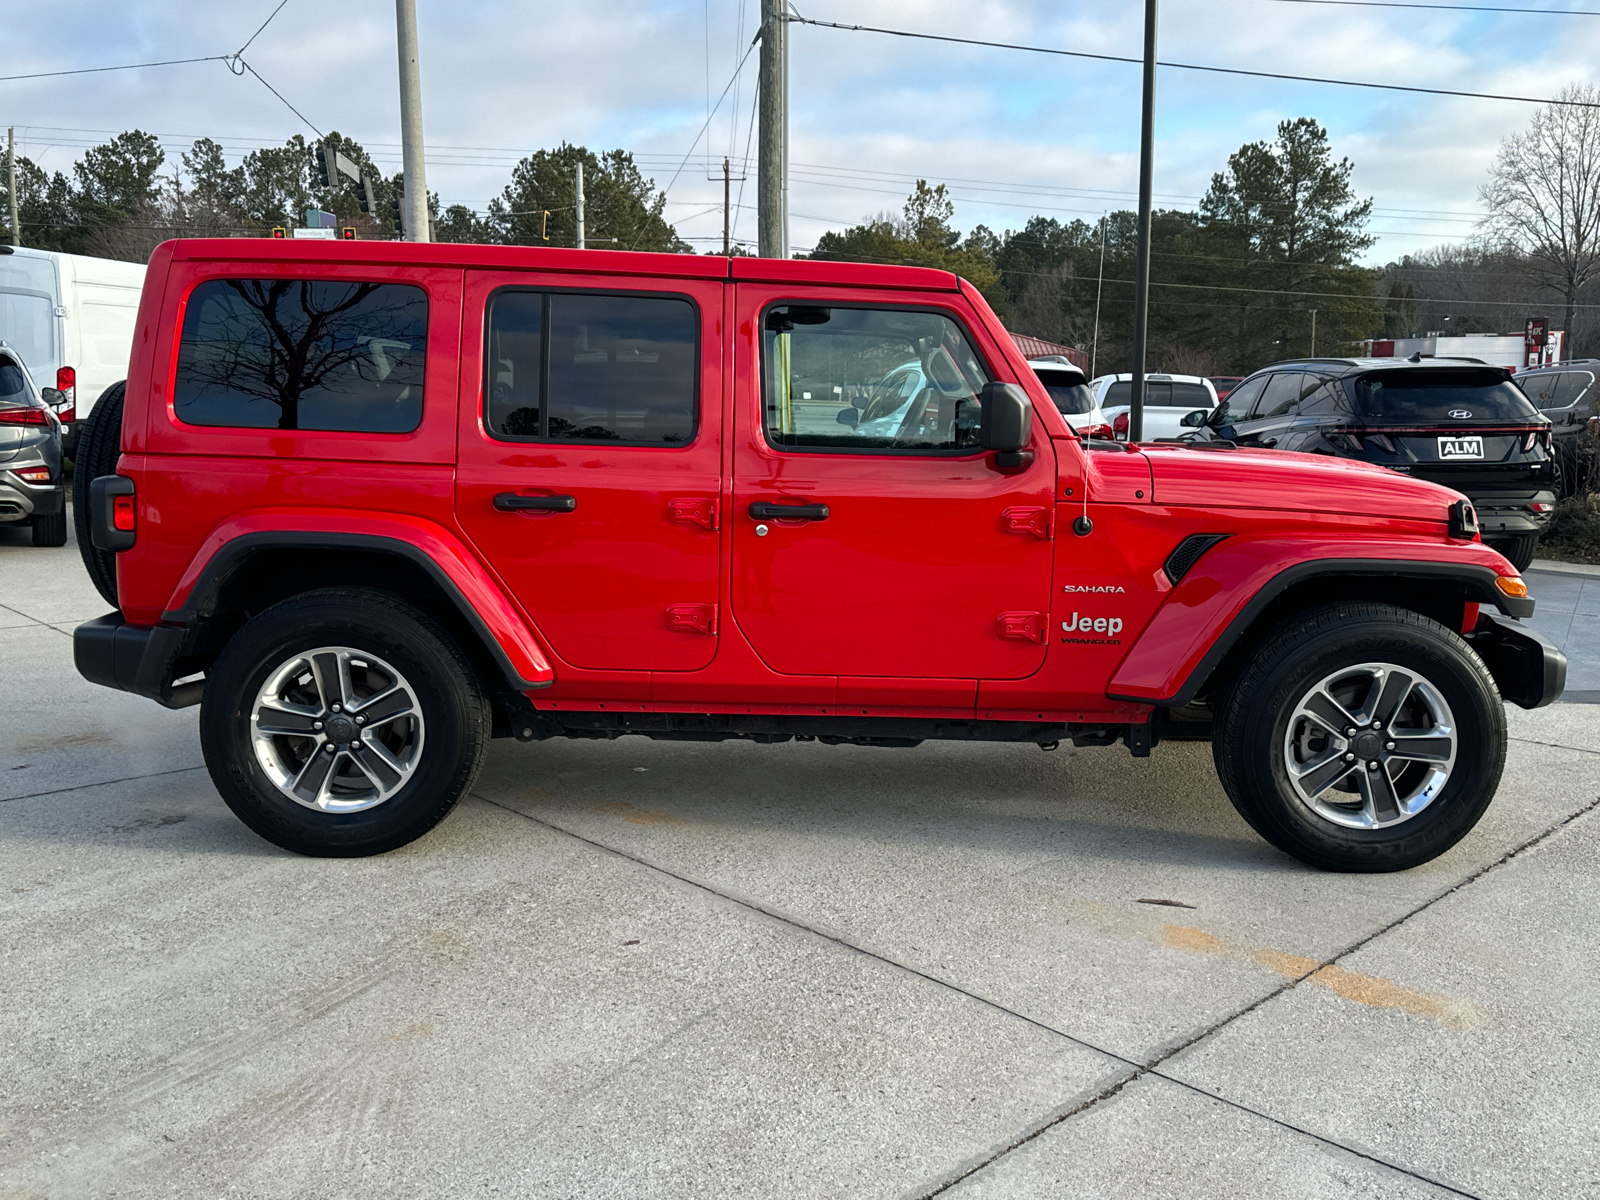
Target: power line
{"points": [[709, 115], [277, 93], [170, 62], [1488, 8], [1118, 58], [240, 51]]}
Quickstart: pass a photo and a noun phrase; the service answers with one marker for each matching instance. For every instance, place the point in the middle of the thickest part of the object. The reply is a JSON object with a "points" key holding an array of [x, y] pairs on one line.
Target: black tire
{"points": [[1254, 721], [1518, 550], [99, 446], [450, 703], [51, 530]]}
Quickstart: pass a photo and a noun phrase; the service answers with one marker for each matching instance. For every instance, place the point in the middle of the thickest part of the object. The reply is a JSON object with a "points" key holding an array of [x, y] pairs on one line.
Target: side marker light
{"points": [[1512, 586]]}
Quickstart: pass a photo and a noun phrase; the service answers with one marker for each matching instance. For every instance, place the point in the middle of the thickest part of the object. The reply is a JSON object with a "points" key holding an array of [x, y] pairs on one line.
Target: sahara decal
{"points": [[1093, 587]]}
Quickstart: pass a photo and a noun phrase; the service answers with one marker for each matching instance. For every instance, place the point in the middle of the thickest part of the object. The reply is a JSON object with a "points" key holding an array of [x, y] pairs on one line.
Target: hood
{"points": [[1306, 483]]}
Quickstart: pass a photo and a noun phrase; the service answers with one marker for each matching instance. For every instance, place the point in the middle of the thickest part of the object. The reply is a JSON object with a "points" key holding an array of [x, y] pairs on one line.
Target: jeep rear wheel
{"points": [[1362, 737], [342, 722]]}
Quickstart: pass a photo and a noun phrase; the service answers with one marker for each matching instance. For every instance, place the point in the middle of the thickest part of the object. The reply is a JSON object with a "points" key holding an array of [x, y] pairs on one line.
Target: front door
{"points": [[589, 461], [871, 535]]}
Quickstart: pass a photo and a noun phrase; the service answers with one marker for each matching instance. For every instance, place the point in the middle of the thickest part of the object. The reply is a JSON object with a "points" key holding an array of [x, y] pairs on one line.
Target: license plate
{"points": [[1460, 447]]}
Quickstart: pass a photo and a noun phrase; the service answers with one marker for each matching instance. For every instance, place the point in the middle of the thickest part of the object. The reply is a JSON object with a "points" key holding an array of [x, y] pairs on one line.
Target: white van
{"points": [[71, 319]]}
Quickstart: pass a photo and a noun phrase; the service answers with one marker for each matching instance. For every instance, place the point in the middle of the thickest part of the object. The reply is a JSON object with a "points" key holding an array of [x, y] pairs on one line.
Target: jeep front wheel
{"points": [[1362, 737], [342, 722]]}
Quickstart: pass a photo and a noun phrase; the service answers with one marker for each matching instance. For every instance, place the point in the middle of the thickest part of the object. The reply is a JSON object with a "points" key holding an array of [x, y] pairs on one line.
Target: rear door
{"points": [[910, 554], [1275, 410], [589, 460]]}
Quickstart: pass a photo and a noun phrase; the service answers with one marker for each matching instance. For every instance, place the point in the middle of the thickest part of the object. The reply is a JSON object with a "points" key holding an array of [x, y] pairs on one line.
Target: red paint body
{"points": [[938, 586]]}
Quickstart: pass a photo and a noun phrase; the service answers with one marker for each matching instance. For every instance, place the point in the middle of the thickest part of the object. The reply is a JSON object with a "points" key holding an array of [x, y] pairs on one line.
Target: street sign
{"points": [[321, 235]]}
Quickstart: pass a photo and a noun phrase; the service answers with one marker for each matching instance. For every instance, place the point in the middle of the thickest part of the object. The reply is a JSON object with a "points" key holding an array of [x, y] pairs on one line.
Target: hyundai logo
{"points": [[1460, 414]]}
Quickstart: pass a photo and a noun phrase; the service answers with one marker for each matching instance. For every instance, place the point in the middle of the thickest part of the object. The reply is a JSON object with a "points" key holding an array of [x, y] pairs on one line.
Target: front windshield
{"points": [[1442, 394]]}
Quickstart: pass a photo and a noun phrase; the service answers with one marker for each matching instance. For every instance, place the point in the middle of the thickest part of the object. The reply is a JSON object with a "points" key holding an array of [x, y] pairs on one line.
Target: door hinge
{"points": [[1021, 626], [1036, 521], [693, 511], [692, 618]]}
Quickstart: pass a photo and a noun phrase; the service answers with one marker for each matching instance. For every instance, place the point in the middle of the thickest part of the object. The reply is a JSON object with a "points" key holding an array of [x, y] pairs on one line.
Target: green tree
{"points": [[1284, 227], [622, 209], [921, 236], [119, 179]]}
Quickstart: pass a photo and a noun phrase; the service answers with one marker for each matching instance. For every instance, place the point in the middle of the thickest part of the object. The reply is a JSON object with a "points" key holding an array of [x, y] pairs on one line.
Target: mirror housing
{"points": [[849, 416], [52, 396], [1196, 419], [1006, 420]]}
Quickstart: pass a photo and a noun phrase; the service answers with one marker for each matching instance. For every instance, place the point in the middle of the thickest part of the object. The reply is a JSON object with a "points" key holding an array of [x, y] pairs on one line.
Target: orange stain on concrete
{"points": [[635, 815], [1371, 990]]}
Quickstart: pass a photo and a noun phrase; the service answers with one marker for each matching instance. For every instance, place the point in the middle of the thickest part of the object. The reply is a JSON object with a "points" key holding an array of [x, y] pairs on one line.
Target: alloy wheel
{"points": [[1370, 746], [337, 730]]}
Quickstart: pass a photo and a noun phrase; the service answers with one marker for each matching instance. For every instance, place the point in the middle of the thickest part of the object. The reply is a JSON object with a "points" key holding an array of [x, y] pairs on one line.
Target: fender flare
{"points": [[478, 598], [1177, 687]]}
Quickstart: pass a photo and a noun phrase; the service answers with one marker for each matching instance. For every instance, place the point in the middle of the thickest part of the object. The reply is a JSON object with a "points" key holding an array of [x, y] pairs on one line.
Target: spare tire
{"points": [[99, 445]]}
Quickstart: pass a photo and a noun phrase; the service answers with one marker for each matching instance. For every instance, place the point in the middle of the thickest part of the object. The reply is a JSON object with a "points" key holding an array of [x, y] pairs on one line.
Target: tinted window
{"points": [[1434, 395], [14, 384], [303, 354], [1282, 394], [1190, 396], [1327, 399], [869, 379], [1541, 389], [1572, 386], [588, 367], [1232, 410], [1071, 395]]}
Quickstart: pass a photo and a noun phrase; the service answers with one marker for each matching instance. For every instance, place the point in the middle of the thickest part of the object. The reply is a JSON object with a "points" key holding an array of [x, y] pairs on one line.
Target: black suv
{"points": [[1455, 421], [1566, 394]]}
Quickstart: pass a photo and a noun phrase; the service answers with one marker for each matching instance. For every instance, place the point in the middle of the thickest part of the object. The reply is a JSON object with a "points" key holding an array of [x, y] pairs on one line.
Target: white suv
{"points": [[1168, 399], [1069, 388]]}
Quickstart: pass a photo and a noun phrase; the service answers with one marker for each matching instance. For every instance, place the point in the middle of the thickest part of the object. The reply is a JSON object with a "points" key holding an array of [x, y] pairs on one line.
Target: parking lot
{"points": [[702, 970]]}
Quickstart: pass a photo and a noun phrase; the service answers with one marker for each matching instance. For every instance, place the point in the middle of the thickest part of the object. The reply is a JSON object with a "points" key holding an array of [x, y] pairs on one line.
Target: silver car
{"points": [[32, 487]]}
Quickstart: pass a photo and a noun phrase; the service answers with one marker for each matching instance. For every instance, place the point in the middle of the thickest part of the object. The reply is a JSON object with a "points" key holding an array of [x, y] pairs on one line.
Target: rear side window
{"points": [[1281, 396], [592, 367], [1572, 385], [14, 384], [1071, 395], [1441, 394], [1159, 393], [303, 354], [1189, 396], [880, 381], [28, 321]]}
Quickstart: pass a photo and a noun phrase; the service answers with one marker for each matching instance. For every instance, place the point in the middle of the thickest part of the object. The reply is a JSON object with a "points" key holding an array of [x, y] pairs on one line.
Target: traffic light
{"points": [[544, 224], [348, 233], [278, 231], [327, 171], [394, 216]]}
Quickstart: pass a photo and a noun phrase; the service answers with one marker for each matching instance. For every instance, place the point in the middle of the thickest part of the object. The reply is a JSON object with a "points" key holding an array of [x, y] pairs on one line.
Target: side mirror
{"points": [[849, 416], [52, 396], [1196, 419], [1006, 422]]}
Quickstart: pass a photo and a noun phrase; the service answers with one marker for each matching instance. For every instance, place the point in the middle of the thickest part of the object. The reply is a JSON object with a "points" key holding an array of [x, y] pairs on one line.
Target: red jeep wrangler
{"points": [[372, 504]]}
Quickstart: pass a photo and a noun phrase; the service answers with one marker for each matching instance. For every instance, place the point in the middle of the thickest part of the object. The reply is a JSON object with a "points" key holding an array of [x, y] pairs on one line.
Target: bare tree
{"points": [[1543, 193]]}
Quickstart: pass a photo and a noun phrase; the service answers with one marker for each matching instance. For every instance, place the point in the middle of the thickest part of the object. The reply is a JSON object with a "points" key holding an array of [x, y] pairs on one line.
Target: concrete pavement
{"points": [[684, 970]]}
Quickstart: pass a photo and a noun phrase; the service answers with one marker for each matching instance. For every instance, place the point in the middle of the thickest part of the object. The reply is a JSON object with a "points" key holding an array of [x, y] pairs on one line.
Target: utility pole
{"points": [[772, 178], [580, 204], [1141, 278], [418, 227], [1099, 287], [1313, 333], [727, 193], [11, 183]]}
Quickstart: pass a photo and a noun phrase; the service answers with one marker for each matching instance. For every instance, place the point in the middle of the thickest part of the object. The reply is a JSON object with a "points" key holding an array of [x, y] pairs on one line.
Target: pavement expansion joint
{"points": [[1135, 1069], [78, 787]]}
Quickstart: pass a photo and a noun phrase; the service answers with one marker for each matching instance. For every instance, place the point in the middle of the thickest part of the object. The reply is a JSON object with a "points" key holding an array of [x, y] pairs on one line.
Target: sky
{"points": [[1012, 134]]}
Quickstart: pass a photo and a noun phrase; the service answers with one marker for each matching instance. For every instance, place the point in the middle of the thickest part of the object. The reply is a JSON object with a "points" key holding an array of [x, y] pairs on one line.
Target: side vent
{"points": [[1187, 552]]}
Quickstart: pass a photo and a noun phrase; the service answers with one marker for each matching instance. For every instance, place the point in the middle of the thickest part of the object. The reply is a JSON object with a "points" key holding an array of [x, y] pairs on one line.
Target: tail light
{"points": [[1382, 441], [1346, 440], [113, 512], [1536, 437], [24, 416], [1102, 430], [67, 385], [33, 474], [1119, 427], [1539, 506]]}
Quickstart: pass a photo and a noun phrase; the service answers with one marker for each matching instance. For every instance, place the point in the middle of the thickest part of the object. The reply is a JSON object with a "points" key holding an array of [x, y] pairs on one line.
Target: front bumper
{"points": [[114, 654], [19, 500], [1527, 667]]}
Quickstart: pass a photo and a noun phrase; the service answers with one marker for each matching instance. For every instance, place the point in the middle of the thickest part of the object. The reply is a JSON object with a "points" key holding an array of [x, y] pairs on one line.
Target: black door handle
{"points": [[762, 510], [511, 502]]}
